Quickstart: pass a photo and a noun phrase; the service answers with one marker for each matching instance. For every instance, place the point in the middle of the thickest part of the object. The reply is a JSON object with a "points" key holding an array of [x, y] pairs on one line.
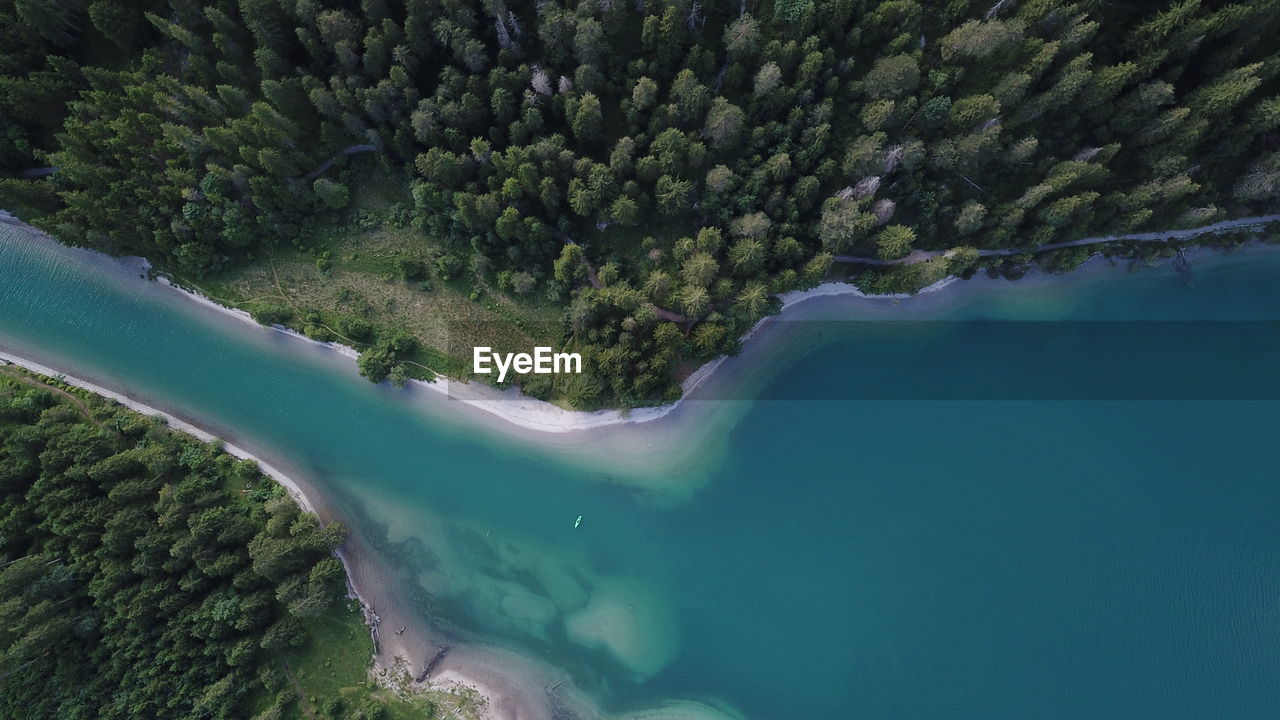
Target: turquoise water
{"points": [[900, 553]]}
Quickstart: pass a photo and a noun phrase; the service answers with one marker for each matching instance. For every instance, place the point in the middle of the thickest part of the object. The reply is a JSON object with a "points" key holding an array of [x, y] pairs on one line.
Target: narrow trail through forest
{"points": [[917, 256], [77, 402]]}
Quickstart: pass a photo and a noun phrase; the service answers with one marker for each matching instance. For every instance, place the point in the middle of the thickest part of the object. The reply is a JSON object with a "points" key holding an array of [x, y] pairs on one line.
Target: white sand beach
{"points": [[517, 688], [519, 412], [509, 687]]}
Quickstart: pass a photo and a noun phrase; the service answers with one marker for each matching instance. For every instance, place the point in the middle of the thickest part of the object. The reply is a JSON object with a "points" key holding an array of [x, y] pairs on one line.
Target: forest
{"points": [[144, 574], [659, 169]]}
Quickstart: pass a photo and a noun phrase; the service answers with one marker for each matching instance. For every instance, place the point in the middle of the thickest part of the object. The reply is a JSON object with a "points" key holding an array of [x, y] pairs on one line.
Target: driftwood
{"points": [[1183, 266], [431, 665]]}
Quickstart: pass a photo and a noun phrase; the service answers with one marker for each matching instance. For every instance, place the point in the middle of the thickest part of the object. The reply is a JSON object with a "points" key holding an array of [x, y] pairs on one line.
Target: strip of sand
{"points": [[510, 692], [509, 405], [501, 684], [512, 406], [503, 692]]}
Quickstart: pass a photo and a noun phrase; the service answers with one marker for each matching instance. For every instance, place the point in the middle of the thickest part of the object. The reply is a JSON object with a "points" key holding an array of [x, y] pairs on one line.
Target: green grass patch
{"points": [[329, 677], [352, 278]]}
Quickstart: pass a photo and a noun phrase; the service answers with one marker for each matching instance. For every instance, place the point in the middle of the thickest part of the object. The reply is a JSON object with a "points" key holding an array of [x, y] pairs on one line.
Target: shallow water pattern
{"points": [[880, 558]]}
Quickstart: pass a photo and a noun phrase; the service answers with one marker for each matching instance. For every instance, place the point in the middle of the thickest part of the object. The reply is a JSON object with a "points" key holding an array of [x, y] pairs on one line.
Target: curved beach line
{"points": [[505, 695], [528, 413], [172, 421], [511, 700], [516, 408]]}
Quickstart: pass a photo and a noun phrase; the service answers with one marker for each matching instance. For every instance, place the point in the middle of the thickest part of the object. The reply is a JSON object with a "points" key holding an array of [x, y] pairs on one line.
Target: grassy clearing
{"points": [[376, 276], [330, 678]]}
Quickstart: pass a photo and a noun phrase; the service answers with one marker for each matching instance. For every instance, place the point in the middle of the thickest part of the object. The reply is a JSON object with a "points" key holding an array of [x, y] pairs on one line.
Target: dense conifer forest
{"points": [[144, 574], [659, 169]]}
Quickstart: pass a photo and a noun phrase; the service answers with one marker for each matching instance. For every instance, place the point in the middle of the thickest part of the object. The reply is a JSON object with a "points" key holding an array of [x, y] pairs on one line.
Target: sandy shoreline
{"points": [[527, 413], [512, 687], [507, 688], [512, 406], [509, 405], [395, 654], [516, 688], [174, 422]]}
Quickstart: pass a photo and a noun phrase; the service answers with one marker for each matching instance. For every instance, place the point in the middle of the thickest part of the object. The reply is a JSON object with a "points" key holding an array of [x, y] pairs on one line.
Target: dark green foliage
{"points": [[200, 136], [270, 313], [335, 195], [136, 580], [380, 361]]}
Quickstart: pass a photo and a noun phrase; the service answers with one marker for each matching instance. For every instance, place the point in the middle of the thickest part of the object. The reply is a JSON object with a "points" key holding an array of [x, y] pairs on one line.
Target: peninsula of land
{"points": [[638, 184], [407, 646]]}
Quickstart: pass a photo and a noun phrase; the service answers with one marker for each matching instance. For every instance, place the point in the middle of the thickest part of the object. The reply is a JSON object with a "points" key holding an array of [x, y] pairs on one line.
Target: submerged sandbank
{"points": [[665, 450], [396, 653], [510, 686], [509, 412], [514, 684], [735, 379]]}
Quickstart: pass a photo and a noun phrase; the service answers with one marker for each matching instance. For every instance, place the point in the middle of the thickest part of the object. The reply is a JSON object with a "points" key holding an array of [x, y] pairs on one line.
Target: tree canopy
{"points": [[202, 135], [143, 573]]}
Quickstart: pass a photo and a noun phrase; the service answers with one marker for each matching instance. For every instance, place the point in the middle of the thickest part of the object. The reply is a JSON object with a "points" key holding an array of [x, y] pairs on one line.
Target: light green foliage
{"points": [[724, 124], [793, 11], [977, 39], [961, 259], [644, 93], [694, 300], [699, 269], [746, 256], [767, 79], [673, 194], [876, 115], [753, 225], [568, 266], [742, 37], [892, 77], [865, 155], [624, 211], [720, 179], [974, 110], [587, 120], [969, 219], [843, 223], [894, 242], [690, 96], [657, 285]]}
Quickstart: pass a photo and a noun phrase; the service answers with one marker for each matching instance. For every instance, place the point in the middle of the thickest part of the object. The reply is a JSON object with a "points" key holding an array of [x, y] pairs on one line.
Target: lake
{"points": [[1054, 498]]}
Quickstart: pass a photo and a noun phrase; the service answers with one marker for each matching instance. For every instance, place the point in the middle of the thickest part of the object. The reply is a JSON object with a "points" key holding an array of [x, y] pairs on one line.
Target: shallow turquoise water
{"points": [[939, 556]]}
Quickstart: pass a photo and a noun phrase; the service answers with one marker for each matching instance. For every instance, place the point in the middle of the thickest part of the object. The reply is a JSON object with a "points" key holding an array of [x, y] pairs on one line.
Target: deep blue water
{"points": [[901, 553]]}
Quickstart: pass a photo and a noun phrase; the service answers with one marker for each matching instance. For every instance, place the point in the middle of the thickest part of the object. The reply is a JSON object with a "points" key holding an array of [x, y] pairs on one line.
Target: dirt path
{"points": [[76, 401], [298, 311], [302, 697], [594, 279], [1157, 236]]}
